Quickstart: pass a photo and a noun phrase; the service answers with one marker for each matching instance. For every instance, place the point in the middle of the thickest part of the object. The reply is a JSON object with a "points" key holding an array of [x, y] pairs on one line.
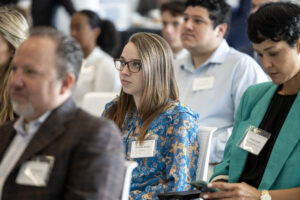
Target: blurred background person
{"points": [[13, 31], [97, 38], [43, 11], [237, 33], [172, 20], [268, 166], [150, 117]]}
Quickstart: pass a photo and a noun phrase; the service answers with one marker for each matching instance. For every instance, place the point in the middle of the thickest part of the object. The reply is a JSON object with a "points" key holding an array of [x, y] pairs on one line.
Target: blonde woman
{"points": [[13, 30], [158, 131]]}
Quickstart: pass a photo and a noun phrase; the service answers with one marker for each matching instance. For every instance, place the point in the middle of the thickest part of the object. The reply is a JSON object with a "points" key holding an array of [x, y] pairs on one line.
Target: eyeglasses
{"points": [[134, 66]]}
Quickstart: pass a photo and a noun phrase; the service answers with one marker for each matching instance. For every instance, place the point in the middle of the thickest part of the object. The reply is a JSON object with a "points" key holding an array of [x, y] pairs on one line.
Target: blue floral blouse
{"points": [[173, 166]]}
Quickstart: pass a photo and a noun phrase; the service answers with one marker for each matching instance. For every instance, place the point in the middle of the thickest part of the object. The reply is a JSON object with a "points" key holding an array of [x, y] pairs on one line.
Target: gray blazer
{"points": [[88, 152]]}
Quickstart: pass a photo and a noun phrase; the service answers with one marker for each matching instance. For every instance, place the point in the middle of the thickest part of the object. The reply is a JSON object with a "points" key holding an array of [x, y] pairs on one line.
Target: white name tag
{"points": [[35, 172], [203, 83], [254, 140], [143, 150]]}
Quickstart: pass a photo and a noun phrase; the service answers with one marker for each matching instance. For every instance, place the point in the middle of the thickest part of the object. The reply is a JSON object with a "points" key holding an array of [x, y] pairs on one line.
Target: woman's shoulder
{"points": [[110, 104], [178, 108], [260, 87]]}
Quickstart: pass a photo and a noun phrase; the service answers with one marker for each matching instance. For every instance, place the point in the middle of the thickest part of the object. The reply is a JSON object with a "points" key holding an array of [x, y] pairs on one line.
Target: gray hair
{"points": [[68, 51]]}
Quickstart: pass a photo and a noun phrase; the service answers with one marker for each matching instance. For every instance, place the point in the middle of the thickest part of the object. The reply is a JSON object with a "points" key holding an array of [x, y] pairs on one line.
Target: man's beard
{"points": [[20, 108]]}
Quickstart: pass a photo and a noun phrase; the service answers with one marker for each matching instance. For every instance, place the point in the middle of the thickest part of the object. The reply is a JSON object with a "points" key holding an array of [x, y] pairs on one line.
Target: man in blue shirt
{"points": [[213, 77]]}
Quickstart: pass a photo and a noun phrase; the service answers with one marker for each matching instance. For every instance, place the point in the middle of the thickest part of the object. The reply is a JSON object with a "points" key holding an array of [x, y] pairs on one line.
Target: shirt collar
{"points": [[25, 129], [217, 57]]}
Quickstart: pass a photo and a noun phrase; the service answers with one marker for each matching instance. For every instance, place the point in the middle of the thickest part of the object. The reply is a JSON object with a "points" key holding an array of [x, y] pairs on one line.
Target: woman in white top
{"points": [[98, 38]]}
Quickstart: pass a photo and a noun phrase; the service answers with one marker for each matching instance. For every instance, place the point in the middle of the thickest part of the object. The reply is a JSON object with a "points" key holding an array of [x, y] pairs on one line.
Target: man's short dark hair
{"points": [[176, 8], [68, 51], [275, 21], [219, 10]]}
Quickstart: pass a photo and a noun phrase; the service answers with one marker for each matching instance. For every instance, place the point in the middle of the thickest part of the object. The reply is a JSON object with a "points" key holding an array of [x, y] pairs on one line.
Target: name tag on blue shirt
{"points": [[143, 150], [203, 83]]}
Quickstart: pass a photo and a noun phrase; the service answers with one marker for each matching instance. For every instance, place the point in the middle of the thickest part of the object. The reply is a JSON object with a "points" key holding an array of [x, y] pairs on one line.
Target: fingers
{"points": [[232, 190]]}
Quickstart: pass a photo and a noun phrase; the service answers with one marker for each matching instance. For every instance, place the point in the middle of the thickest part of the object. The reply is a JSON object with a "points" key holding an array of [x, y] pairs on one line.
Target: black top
{"points": [[272, 122]]}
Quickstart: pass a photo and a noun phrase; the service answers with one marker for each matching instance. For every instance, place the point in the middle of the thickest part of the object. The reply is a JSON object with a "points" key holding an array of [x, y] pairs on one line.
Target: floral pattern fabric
{"points": [[173, 166]]}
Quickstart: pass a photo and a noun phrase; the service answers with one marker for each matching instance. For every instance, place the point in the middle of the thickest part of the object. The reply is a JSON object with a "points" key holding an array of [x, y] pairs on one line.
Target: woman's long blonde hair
{"points": [[159, 80], [14, 29]]}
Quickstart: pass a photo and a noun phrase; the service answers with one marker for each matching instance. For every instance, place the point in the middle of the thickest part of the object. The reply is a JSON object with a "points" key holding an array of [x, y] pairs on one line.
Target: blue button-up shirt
{"points": [[233, 73]]}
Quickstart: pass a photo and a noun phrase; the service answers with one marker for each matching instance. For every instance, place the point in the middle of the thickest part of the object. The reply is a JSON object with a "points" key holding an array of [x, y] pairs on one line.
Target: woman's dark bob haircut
{"points": [[276, 21]]}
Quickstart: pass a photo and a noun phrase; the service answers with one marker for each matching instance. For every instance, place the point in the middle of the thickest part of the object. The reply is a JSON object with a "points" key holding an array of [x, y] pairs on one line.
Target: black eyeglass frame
{"points": [[130, 65]]}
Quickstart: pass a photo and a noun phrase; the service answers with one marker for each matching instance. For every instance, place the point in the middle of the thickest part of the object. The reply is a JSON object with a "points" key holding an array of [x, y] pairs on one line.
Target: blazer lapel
{"points": [[7, 134], [50, 129], [286, 141], [256, 116]]}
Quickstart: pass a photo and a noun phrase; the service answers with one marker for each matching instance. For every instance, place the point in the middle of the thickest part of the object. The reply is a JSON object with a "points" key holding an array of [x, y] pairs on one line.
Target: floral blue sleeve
{"points": [[174, 165]]}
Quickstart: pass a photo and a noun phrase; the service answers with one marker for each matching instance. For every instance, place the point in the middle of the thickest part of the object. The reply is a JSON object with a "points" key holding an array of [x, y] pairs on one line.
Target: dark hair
{"points": [[109, 39], [176, 8], [219, 10], [68, 51], [276, 21]]}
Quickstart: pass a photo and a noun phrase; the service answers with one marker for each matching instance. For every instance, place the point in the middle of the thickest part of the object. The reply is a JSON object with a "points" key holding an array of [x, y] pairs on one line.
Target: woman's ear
{"points": [[97, 32]]}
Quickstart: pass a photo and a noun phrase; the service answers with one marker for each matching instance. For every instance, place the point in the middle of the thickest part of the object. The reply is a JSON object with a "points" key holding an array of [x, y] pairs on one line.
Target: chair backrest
{"points": [[205, 135], [129, 166], [94, 102]]}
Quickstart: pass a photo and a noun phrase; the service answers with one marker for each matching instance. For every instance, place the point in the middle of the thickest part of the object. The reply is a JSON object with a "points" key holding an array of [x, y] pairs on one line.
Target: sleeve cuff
{"points": [[223, 178]]}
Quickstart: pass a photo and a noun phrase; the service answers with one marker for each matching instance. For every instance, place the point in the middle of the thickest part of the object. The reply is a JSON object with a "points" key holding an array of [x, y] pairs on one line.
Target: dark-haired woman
{"points": [[98, 38], [262, 156]]}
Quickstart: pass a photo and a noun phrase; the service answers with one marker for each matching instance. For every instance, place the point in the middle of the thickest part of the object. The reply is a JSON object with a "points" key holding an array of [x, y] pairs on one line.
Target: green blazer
{"points": [[283, 168]]}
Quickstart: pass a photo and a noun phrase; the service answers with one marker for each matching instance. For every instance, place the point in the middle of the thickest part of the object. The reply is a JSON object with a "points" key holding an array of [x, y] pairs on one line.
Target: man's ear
{"points": [[67, 83], [221, 30]]}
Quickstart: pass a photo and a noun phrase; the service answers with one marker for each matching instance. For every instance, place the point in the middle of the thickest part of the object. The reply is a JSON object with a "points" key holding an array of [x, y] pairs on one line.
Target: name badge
{"points": [[143, 150], [254, 140], [203, 83], [36, 172]]}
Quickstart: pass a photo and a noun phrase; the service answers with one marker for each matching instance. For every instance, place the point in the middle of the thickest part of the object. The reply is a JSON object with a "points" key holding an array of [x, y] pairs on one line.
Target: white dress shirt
{"points": [[97, 74]]}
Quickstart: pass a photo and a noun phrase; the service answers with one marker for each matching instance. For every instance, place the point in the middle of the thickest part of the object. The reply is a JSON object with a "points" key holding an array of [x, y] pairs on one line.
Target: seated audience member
{"points": [[55, 150], [262, 156], [172, 20], [13, 30], [97, 73], [158, 131], [248, 49], [213, 77]]}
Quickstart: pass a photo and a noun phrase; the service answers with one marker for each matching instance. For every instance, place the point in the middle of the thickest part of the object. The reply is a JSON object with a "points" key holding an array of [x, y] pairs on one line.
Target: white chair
{"points": [[94, 102], [129, 166], [205, 135]]}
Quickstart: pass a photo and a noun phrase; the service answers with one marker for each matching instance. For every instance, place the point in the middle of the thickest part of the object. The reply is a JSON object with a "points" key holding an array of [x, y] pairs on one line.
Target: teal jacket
{"points": [[283, 168]]}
